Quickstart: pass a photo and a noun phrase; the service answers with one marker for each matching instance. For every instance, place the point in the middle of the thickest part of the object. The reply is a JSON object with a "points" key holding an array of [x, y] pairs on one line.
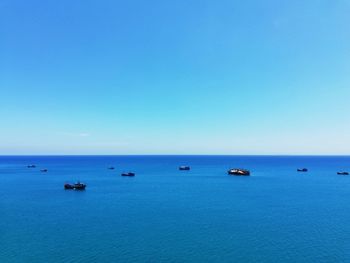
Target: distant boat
{"points": [[43, 170], [239, 172], [68, 186], [302, 170], [79, 186], [128, 174], [343, 173], [31, 166], [111, 168], [184, 168], [76, 186]]}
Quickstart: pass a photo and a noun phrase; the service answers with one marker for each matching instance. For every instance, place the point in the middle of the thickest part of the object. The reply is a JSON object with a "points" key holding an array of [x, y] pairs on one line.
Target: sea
{"points": [[165, 215]]}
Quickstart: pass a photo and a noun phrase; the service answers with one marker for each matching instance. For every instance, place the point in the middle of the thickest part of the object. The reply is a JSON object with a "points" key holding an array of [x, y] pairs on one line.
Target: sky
{"points": [[175, 77]]}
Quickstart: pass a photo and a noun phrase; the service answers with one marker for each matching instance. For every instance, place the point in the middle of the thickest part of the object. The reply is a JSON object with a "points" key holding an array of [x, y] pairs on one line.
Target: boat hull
{"points": [[304, 170], [128, 174], [74, 186], [238, 172]]}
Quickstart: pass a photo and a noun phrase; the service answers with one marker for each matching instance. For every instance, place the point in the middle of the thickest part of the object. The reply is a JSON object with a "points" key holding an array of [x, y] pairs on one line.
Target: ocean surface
{"points": [[166, 215]]}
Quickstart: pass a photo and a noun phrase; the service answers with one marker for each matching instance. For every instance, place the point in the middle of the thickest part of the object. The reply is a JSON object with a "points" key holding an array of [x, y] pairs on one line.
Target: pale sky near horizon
{"points": [[175, 77]]}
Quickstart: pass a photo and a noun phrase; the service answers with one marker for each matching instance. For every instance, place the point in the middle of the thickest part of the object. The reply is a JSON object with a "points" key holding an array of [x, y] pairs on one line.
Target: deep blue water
{"points": [[167, 215]]}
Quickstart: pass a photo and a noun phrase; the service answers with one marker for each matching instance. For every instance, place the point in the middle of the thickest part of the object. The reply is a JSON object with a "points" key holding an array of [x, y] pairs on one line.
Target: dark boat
{"points": [[239, 172], [31, 166], [343, 173], [68, 186], [43, 170], [302, 170], [184, 168], [76, 186], [111, 168], [79, 186], [128, 174]]}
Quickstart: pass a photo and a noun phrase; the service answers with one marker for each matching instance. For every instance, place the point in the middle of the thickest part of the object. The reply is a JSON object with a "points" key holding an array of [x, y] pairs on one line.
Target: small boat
{"points": [[343, 173], [31, 166], [111, 168], [128, 174], [79, 186], [184, 168], [240, 172], [43, 170], [302, 170], [76, 186], [68, 186]]}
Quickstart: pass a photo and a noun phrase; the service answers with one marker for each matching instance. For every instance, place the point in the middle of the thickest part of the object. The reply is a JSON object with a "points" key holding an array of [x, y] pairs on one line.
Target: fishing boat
{"points": [[128, 174], [302, 170], [79, 186], [43, 170], [111, 168], [31, 166], [184, 168], [239, 172], [76, 186], [343, 173], [68, 186]]}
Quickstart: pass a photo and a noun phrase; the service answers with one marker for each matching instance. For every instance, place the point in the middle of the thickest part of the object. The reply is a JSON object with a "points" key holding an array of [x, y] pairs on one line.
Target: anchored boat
{"points": [[76, 186], [239, 172], [343, 173], [128, 174], [302, 170], [68, 186]]}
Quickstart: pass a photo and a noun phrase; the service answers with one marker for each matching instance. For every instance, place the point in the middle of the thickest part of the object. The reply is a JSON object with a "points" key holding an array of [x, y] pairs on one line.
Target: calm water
{"points": [[166, 215]]}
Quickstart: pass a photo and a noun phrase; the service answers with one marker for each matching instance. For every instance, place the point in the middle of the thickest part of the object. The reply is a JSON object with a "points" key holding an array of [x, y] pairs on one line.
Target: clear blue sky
{"points": [[175, 77]]}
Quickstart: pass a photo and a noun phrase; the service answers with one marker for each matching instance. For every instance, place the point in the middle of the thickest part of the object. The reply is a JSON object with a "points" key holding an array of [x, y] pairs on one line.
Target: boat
{"points": [[343, 173], [31, 166], [43, 170], [240, 172], [79, 186], [128, 174], [76, 186], [111, 168], [302, 170], [184, 168], [68, 186]]}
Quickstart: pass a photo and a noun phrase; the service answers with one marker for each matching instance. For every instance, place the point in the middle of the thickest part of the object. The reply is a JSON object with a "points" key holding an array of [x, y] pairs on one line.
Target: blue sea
{"points": [[166, 215]]}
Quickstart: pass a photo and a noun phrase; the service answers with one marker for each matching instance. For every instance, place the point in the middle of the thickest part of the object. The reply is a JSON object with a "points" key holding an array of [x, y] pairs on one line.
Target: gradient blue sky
{"points": [[175, 77]]}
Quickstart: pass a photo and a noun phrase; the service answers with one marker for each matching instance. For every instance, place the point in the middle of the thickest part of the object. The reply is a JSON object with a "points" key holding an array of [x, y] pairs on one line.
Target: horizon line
{"points": [[243, 155]]}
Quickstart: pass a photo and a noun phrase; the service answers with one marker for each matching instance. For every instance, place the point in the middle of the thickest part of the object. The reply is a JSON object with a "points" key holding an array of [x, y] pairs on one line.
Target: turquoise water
{"points": [[167, 215]]}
